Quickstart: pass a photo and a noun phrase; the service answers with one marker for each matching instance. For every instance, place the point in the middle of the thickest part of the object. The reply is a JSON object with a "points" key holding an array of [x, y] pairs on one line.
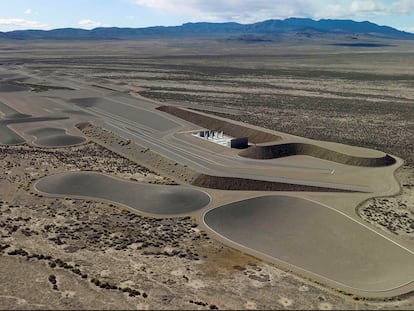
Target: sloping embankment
{"points": [[215, 124], [234, 183], [285, 150], [54, 137], [179, 172]]}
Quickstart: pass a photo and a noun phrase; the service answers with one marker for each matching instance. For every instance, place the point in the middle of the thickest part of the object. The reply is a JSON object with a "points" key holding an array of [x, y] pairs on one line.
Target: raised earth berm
{"points": [[11, 86], [8, 136], [217, 124], [131, 113], [9, 116], [87, 102], [316, 239], [291, 149], [54, 137], [146, 198], [234, 183], [10, 113]]}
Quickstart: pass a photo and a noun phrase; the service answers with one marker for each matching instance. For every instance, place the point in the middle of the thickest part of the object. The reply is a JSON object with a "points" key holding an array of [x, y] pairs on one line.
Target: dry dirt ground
{"points": [[394, 214], [80, 254], [77, 254]]}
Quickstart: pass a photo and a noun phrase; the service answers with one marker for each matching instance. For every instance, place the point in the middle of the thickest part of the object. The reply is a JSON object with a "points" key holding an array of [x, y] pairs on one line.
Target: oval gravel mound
{"points": [[316, 239], [147, 198], [54, 137]]}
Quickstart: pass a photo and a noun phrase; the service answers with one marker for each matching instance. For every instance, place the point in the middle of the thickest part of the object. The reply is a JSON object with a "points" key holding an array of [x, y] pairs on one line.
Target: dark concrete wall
{"points": [[239, 143]]}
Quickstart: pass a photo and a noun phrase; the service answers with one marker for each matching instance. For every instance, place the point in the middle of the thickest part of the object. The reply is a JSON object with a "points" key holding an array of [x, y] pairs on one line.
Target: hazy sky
{"points": [[49, 14]]}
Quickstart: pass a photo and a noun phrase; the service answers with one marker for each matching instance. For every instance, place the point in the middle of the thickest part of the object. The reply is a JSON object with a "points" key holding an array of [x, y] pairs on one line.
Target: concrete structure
{"points": [[218, 137], [239, 143]]}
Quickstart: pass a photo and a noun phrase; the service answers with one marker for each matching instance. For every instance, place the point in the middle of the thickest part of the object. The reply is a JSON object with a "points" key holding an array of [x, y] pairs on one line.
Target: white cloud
{"points": [[356, 9], [256, 10], [28, 11], [330, 11], [362, 6], [407, 29], [90, 24], [405, 7], [231, 10], [7, 24]]}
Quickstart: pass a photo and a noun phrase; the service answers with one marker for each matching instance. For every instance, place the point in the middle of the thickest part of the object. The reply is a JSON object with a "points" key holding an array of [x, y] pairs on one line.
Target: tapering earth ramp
{"points": [[234, 183], [8, 136], [55, 137], [146, 198], [10, 113], [11, 86], [318, 240], [130, 113]]}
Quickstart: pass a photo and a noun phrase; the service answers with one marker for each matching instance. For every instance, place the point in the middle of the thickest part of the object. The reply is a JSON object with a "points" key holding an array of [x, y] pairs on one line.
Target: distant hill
{"points": [[260, 31]]}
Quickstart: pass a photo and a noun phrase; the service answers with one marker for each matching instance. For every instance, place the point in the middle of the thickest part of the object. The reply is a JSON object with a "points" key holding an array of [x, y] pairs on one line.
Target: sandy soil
{"points": [[361, 97], [80, 254], [394, 214]]}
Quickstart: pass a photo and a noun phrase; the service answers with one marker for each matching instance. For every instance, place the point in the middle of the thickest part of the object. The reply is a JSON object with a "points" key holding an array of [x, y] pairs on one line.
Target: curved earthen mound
{"points": [[8, 136], [87, 102], [7, 87], [291, 149], [60, 141], [147, 198], [234, 183], [216, 124], [76, 112], [10, 113], [54, 137], [317, 239]]}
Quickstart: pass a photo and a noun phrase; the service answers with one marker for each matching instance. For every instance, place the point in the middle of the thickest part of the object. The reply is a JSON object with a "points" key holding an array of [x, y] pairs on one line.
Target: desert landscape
{"points": [[176, 228]]}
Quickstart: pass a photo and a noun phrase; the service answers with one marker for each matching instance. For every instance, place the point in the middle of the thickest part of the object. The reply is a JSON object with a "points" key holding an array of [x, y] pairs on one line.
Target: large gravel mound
{"points": [[146, 198], [316, 239], [54, 137]]}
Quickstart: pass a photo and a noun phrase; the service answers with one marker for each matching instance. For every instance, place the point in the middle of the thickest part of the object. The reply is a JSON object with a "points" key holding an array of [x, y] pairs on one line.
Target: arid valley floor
{"points": [[62, 252]]}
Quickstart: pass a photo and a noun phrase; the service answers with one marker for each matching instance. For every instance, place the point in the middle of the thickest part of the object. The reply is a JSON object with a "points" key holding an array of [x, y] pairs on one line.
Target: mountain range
{"points": [[257, 31]]}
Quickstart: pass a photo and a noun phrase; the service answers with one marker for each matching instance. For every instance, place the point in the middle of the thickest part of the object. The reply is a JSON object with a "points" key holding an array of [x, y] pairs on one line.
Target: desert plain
{"points": [[340, 231]]}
